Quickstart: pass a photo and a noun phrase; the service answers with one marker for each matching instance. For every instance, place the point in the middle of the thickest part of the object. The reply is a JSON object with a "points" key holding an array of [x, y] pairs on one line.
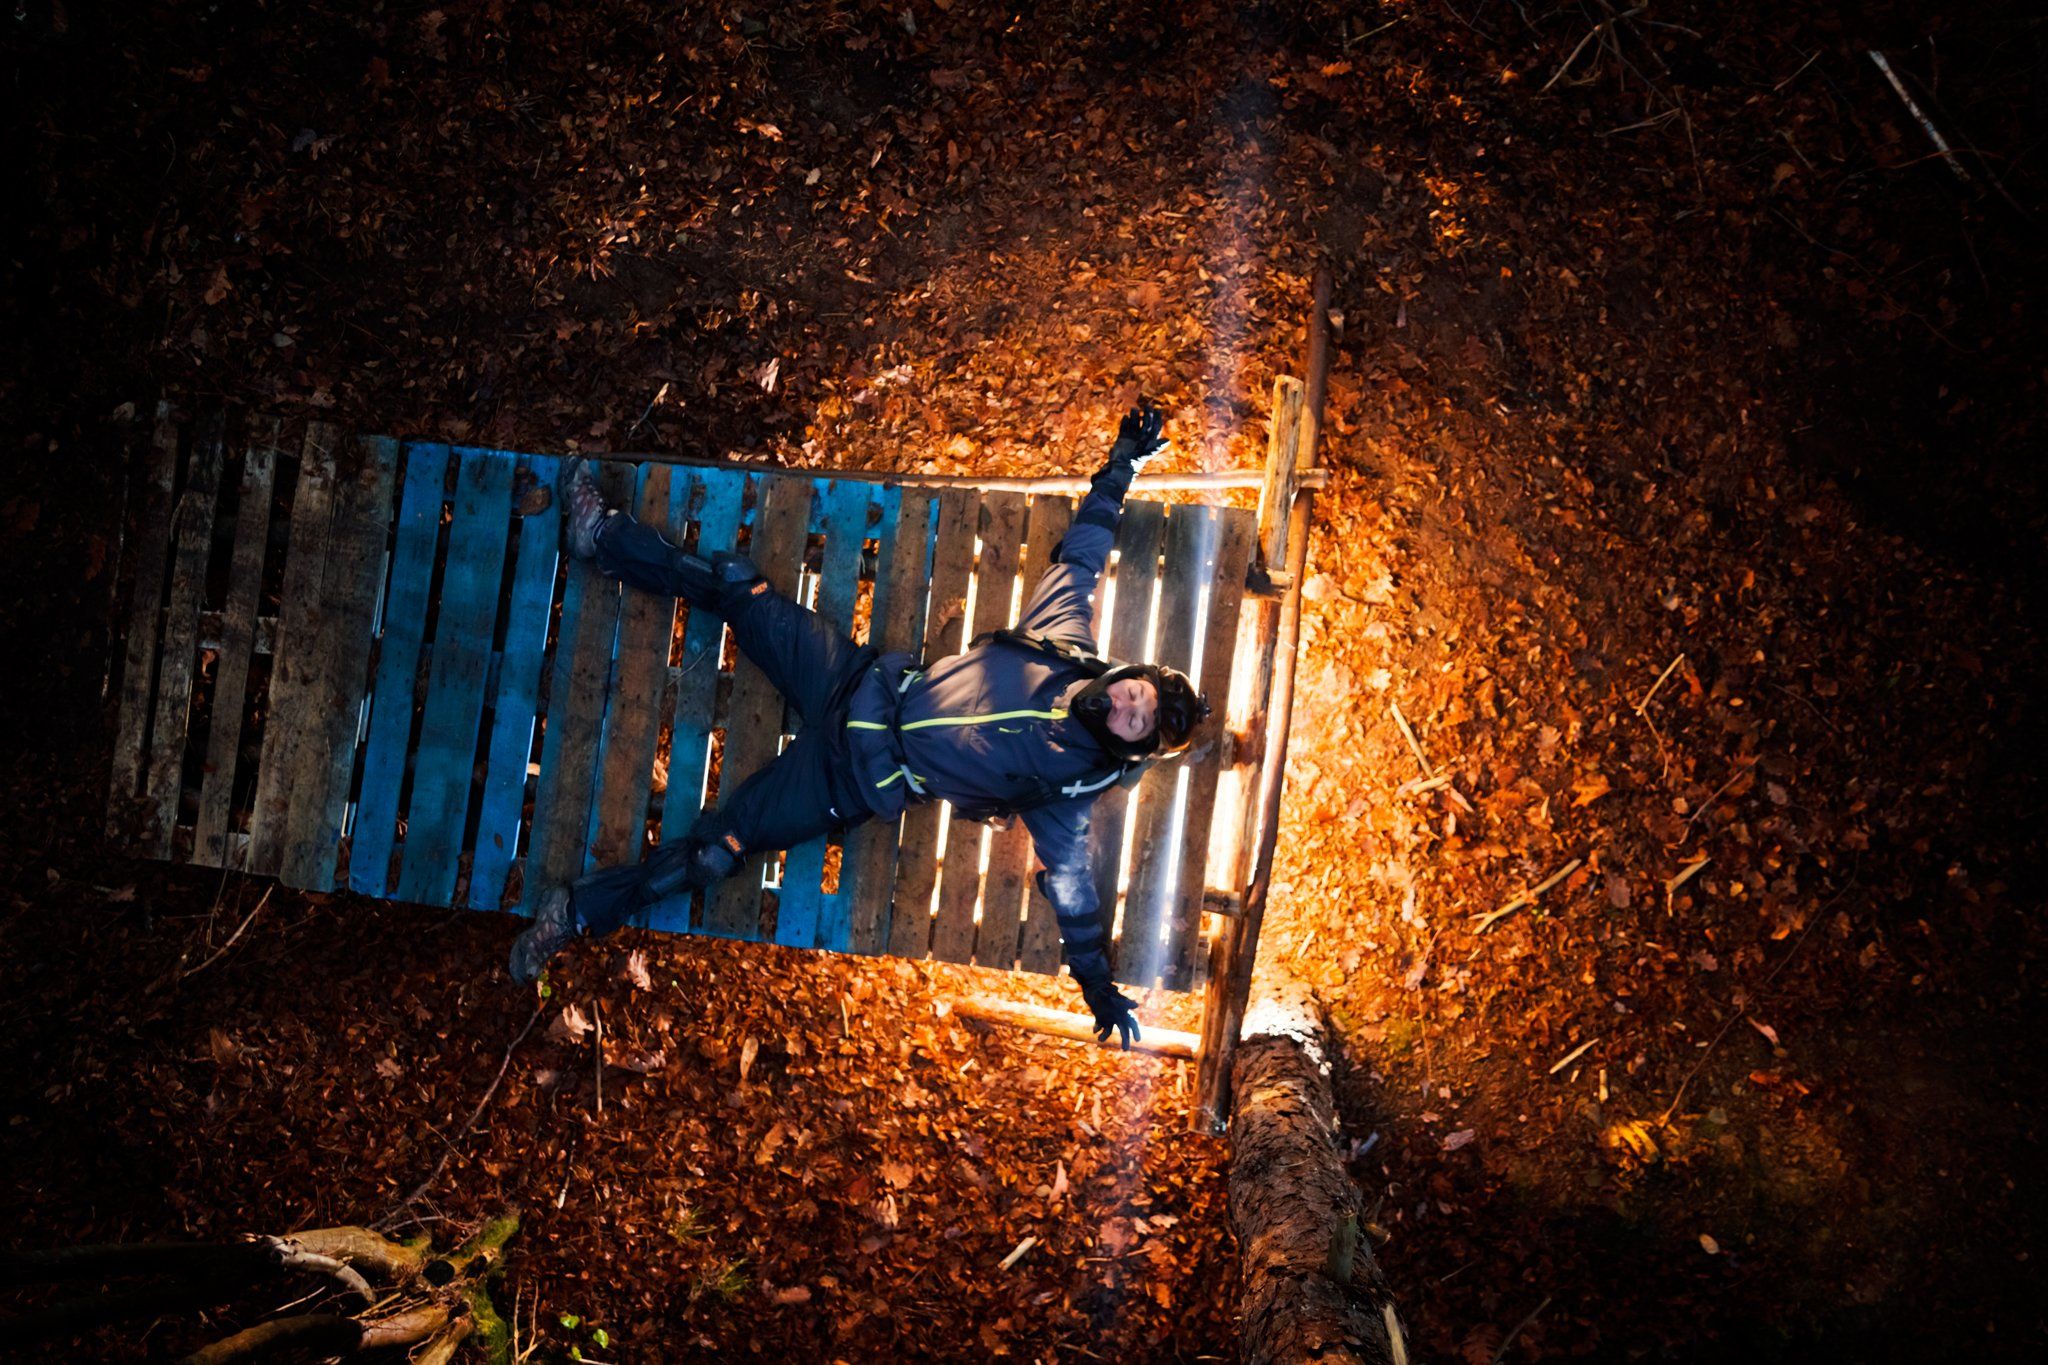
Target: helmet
{"points": [[1180, 710]]}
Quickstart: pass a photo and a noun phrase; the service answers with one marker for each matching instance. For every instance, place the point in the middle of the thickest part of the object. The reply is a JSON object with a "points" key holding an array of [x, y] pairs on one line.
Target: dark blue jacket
{"points": [[989, 727]]}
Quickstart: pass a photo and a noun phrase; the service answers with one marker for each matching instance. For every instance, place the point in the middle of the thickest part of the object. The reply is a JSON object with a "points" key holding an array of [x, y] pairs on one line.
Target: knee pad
{"points": [[696, 864]]}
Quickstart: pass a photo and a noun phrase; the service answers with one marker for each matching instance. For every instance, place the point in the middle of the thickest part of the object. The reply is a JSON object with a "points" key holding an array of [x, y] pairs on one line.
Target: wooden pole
{"points": [[1235, 948], [1164, 1042], [1070, 484]]}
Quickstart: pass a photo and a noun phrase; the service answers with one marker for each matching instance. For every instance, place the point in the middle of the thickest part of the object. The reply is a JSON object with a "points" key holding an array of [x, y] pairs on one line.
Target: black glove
{"points": [[1114, 1011], [1137, 436]]}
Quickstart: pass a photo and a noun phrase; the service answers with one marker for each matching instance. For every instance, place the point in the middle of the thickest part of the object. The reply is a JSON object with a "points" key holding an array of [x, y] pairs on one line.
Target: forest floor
{"points": [[1684, 419]]}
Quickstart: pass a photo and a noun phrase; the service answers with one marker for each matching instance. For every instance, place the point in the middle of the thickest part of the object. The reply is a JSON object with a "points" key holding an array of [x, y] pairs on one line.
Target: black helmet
{"points": [[1181, 708]]}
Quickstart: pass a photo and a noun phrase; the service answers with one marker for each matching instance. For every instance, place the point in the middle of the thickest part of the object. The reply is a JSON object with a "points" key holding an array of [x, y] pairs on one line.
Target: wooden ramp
{"points": [[358, 663]]}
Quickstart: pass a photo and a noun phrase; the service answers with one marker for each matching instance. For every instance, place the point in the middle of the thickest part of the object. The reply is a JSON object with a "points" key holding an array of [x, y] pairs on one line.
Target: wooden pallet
{"points": [[359, 663]]}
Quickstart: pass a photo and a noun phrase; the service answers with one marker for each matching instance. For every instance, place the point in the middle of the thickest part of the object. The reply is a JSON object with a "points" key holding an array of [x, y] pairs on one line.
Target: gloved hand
{"points": [[1137, 436], [1114, 1011]]}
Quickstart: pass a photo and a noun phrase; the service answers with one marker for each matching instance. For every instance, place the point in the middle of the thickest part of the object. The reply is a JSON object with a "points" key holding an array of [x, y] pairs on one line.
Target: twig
{"points": [[1684, 875], [221, 951], [598, 1036], [481, 1105], [660, 394], [1408, 734], [1509, 1339], [1571, 1056], [1591, 34], [1651, 695], [1417, 786], [1926, 124], [1526, 898], [1795, 75], [1740, 1010], [1707, 804], [1651, 122]]}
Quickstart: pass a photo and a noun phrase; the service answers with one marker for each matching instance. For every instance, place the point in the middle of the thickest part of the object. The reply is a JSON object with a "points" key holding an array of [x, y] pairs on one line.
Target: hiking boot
{"points": [[554, 925], [583, 506]]}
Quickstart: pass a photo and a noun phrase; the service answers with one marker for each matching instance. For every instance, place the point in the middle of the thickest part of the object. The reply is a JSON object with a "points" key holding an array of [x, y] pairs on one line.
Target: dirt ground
{"points": [[1684, 420]]}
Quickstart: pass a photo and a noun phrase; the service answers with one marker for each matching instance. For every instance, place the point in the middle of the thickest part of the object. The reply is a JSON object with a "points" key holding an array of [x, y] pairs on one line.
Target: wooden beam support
{"points": [[1069, 485], [1236, 947], [1164, 1042]]}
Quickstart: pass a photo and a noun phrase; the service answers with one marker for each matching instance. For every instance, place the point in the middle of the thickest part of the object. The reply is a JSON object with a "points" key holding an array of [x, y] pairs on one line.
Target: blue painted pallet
{"points": [[487, 650]]}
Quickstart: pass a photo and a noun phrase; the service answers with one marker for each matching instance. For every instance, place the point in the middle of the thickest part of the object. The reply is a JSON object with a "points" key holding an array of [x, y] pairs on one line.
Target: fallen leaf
{"points": [[1591, 790], [569, 1027], [748, 1051], [1453, 1141], [1765, 1029], [635, 971], [1709, 1245]]}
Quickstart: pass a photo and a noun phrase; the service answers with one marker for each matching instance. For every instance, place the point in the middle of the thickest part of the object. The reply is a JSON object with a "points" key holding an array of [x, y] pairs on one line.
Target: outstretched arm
{"points": [[1059, 832], [1060, 607]]}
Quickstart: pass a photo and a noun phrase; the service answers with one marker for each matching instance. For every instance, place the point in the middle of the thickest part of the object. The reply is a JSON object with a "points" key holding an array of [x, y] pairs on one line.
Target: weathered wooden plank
{"points": [[799, 914], [165, 783], [501, 809], [633, 722], [1037, 939], [237, 644], [1213, 753], [388, 750], [717, 496], [339, 679], [1002, 541], [290, 720], [713, 501], [895, 622], [444, 763], [139, 662], [575, 710], [1137, 542], [753, 730], [1191, 536], [917, 851]]}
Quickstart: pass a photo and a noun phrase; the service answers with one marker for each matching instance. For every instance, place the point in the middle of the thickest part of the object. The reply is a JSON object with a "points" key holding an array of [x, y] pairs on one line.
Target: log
{"points": [[1165, 1042], [1312, 1290]]}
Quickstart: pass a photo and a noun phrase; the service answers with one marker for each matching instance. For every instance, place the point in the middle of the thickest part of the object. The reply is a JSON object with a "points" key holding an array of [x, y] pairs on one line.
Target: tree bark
{"points": [[1312, 1291]]}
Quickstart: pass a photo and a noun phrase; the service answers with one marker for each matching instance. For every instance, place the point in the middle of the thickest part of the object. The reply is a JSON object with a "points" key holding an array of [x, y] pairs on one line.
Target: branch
{"points": [[481, 1105], [289, 1255], [320, 1333]]}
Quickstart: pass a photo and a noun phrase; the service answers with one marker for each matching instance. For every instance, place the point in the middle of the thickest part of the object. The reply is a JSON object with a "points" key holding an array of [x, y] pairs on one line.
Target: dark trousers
{"points": [[807, 790]]}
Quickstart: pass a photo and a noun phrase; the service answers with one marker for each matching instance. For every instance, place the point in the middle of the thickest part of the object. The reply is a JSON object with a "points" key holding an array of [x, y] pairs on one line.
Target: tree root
{"points": [[434, 1303]]}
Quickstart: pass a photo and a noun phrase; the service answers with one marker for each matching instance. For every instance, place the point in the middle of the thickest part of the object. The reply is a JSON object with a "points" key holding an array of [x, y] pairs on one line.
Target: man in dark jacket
{"points": [[1026, 722]]}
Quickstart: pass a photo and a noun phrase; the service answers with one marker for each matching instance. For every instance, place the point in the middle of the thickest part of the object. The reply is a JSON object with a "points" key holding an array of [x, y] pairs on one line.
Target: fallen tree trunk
{"points": [[1312, 1291]]}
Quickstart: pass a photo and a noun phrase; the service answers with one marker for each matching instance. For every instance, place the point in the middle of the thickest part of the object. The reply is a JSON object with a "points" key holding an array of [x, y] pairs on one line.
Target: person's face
{"points": [[1133, 709]]}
